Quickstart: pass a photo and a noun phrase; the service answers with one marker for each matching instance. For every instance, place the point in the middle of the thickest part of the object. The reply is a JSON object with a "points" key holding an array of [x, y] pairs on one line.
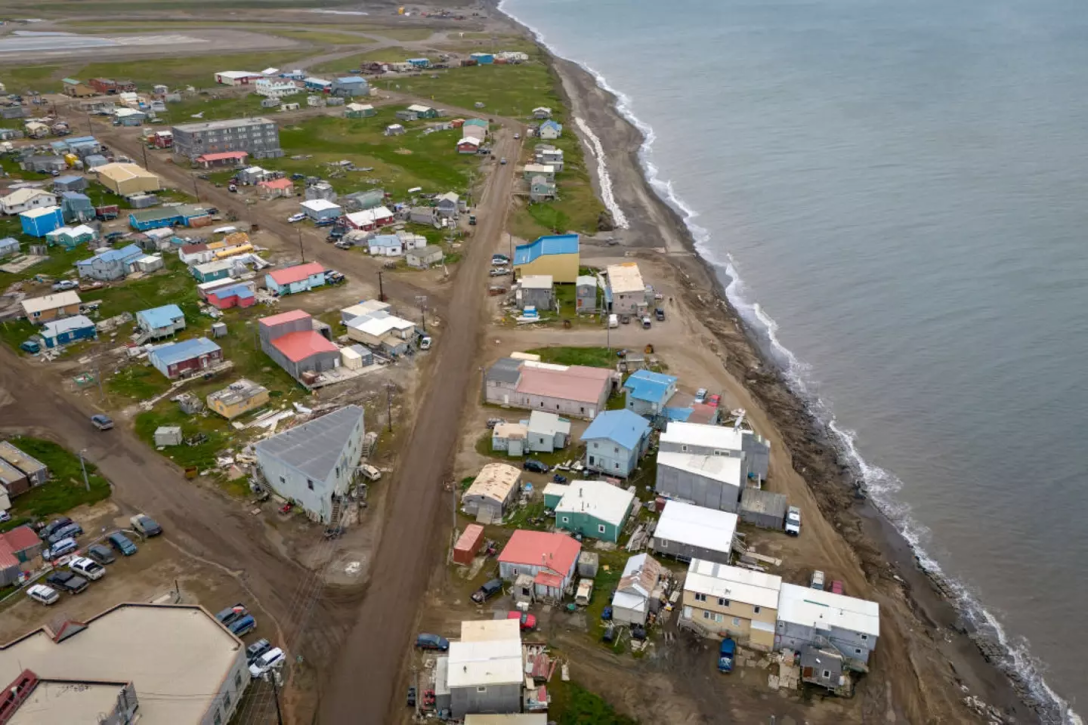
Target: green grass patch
{"points": [[394, 54], [505, 90], [211, 108], [574, 705], [576, 207], [30, 78], [64, 492], [174, 284], [317, 36], [594, 357], [11, 168], [169, 414], [483, 447]]}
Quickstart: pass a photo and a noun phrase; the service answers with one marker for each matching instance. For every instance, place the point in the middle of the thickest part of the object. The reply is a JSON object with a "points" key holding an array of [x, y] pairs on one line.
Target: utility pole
{"points": [[196, 191], [422, 300], [301, 250], [389, 404], [276, 695], [86, 481], [381, 289], [144, 145]]}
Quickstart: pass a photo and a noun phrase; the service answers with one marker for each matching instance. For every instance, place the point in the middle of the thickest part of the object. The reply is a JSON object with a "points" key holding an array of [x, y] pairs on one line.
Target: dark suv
{"points": [[488, 590], [531, 464], [67, 581]]}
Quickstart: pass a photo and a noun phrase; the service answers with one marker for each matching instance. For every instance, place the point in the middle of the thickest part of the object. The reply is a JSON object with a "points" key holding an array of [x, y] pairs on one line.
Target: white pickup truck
{"points": [[793, 521]]}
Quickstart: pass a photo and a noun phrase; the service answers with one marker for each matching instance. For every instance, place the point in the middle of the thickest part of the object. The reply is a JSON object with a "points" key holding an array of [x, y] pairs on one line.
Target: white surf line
{"points": [[619, 219]]}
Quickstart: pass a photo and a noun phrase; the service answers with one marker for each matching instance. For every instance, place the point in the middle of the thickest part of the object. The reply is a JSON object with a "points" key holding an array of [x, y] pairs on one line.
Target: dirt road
{"points": [[362, 685]]}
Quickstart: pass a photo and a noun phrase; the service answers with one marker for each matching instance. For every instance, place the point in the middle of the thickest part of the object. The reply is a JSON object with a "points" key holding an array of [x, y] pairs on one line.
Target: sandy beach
{"points": [[930, 663]]}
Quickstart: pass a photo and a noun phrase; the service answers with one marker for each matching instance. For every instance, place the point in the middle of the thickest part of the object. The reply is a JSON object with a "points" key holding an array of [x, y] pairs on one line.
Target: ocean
{"points": [[895, 195]]}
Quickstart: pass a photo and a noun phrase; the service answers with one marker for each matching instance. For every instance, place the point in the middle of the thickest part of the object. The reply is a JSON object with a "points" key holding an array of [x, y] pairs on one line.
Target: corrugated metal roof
{"points": [[650, 386], [697, 526], [59, 327], [726, 469], [733, 583], [185, 350], [561, 244], [299, 272], [505, 370], [164, 316], [598, 499], [315, 447], [823, 610], [299, 345], [620, 426]]}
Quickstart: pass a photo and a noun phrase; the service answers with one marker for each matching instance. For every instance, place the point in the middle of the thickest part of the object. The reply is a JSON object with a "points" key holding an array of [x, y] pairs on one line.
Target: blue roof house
{"points": [[76, 207], [419, 62], [41, 221], [550, 130], [161, 321], [8, 247], [109, 265], [648, 393], [180, 359], [555, 255], [67, 330], [69, 183], [350, 86], [615, 441], [482, 58]]}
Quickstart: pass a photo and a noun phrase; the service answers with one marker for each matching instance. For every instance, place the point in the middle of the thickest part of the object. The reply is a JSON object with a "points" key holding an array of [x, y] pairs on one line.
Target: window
{"points": [[857, 651], [283, 480], [827, 674], [616, 466], [723, 602], [615, 449], [566, 519], [684, 449], [736, 621], [310, 484], [226, 699], [218, 718], [596, 445], [700, 597], [718, 618], [600, 528], [237, 680], [706, 614], [755, 610], [864, 637], [481, 689]]}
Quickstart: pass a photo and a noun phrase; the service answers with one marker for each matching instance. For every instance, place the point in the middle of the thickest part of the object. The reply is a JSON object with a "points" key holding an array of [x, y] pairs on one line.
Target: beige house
{"points": [[237, 398], [127, 179], [724, 600], [491, 492]]}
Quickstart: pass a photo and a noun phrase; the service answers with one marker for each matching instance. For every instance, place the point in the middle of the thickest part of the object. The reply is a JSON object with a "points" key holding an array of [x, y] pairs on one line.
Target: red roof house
{"points": [[299, 278], [550, 558], [224, 158], [277, 187], [290, 338]]}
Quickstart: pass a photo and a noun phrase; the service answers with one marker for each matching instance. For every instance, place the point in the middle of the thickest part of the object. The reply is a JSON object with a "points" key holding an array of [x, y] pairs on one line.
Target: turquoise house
{"points": [[594, 510]]}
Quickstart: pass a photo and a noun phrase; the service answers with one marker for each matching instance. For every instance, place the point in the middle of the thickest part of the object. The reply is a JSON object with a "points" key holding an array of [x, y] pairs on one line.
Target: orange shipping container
{"points": [[464, 551]]}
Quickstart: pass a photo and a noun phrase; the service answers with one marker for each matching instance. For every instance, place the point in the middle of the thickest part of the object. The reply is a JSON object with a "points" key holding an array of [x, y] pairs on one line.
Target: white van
{"points": [[87, 568], [613, 321], [370, 472], [42, 594]]}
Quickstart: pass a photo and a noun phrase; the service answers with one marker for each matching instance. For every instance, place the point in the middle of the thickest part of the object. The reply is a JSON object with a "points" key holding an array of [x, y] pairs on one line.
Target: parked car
{"points": [[42, 594], [296, 218], [714, 400], [59, 549], [100, 554], [817, 580], [270, 660], [122, 543], [232, 614], [68, 531], [425, 342], [700, 395], [334, 277], [659, 313], [625, 319], [145, 525], [53, 526], [502, 161], [836, 587], [87, 568], [242, 627], [487, 591], [646, 323], [499, 272], [101, 422], [613, 322], [726, 652], [257, 649], [343, 245], [526, 621], [369, 472], [432, 641], [793, 521], [30, 347], [411, 696], [67, 580], [492, 422], [65, 284], [531, 464], [499, 261]]}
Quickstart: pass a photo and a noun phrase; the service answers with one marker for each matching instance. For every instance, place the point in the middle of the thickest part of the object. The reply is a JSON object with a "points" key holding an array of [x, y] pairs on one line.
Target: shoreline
{"points": [[980, 664]]}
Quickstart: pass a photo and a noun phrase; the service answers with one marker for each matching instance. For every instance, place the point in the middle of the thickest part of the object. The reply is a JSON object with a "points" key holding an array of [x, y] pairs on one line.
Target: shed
{"points": [[711, 481], [39, 222], [547, 432], [764, 509], [168, 435], [588, 563], [509, 437], [8, 246], [425, 257], [36, 472], [468, 544], [68, 330]]}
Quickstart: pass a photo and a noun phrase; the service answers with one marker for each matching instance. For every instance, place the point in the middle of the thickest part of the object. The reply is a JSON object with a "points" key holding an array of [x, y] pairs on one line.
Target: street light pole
{"points": [[381, 289], [422, 300], [86, 481], [301, 250]]}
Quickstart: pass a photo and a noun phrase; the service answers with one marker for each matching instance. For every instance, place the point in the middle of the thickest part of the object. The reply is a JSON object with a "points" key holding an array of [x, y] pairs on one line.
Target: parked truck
{"points": [[726, 652]]}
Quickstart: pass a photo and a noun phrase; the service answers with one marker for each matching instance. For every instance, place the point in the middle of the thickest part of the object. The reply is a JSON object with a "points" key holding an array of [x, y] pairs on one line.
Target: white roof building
{"points": [[368, 217], [703, 436], [726, 469], [625, 278], [536, 281], [695, 532], [544, 169], [599, 499], [49, 302], [318, 205], [488, 654], [733, 583], [822, 610], [378, 326]]}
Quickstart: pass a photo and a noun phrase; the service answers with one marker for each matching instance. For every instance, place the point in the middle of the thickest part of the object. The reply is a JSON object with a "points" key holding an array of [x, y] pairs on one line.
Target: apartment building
{"points": [[257, 136]]}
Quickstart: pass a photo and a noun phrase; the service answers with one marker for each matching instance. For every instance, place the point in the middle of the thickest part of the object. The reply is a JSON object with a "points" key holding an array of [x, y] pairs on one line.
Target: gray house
{"points": [[110, 264], [485, 668], [824, 667], [501, 380], [615, 441], [45, 164], [824, 619], [424, 257], [536, 290], [585, 294], [314, 464], [447, 204], [547, 432], [716, 440], [35, 471], [541, 189], [763, 508], [688, 532], [423, 215], [713, 482]]}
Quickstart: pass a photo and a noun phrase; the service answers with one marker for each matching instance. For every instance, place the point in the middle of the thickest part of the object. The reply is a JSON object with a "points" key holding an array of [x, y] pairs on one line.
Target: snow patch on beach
{"points": [[880, 484], [618, 217]]}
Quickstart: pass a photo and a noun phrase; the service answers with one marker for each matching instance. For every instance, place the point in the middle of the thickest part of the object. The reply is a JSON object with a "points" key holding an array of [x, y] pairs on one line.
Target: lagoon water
{"points": [[902, 192]]}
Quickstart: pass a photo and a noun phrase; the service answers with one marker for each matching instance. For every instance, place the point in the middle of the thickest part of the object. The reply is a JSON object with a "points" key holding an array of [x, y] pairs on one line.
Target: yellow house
{"points": [[557, 256], [237, 398], [724, 600], [127, 179]]}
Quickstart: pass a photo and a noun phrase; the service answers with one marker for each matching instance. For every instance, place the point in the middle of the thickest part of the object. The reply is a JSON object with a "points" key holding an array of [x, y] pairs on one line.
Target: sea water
{"points": [[897, 195]]}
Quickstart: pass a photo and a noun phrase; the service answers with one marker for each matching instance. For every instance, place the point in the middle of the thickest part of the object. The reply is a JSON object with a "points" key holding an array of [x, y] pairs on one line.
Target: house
{"points": [[468, 145], [212, 271], [550, 130], [220, 159], [713, 482], [553, 494], [76, 207], [423, 258], [422, 111], [275, 188], [716, 440], [485, 671], [412, 241], [35, 129], [686, 531], [554, 255], [479, 123], [76, 89], [448, 205], [237, 78], [550, 558], [61, 675], [350, 86], [728, 601], [483, 58], [298, 343], [569, 390], [128, 117], [541, 188], [299, 278], [238, 398], [21, 542], [314, 464], [491, 493], [109, 264], [193, 254], [542, 113], [423, 215], [510, 437], [35, 471], [585, 294], [638, 593], [8, 247], [40, 221], [394, 129], [550, 156], [385, 245], [148, 263], [647, 393], [274, 89], [615, 441], [381, 331], [547, 432], [182, 359], [419, 62], [71, 237], [474, 131], [180, 215], [125, 179], [51, 307], [160, 322], [824, 666], [763, 508], [370, 219], [320, 210], [68, 330], [535, 290], [627, 289], [320, 190], [25, 199], [809, 616], [366, 307], [12, 483], [594, 509], [232, 295], [252, 174], [359, 110]]}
